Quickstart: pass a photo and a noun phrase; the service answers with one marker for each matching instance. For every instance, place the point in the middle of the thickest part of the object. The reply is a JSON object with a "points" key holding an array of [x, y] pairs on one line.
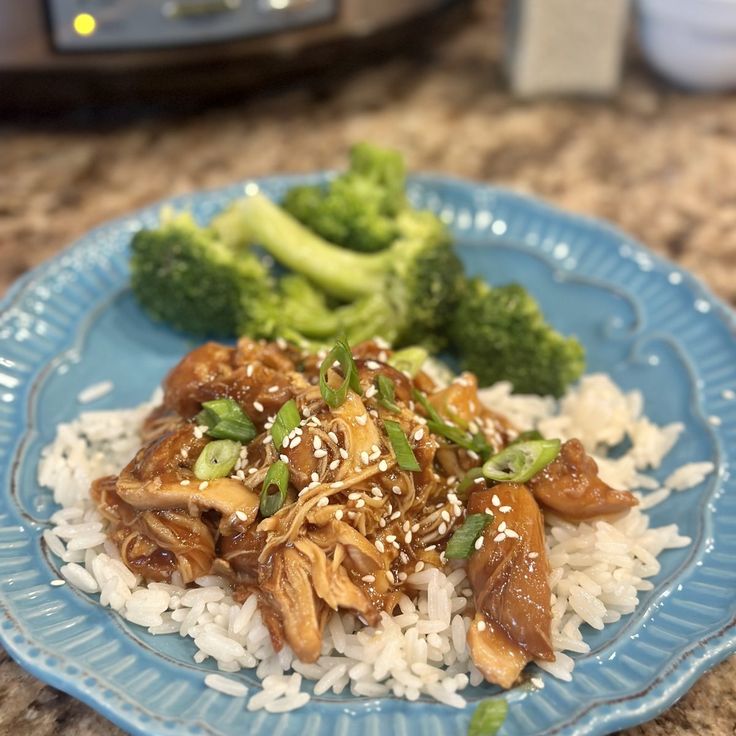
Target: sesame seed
{"points": [[396, 545], [502, 526], [267, 440], [373, 413], [383, 466], [344, 453], [316, 442], [332, 436], [488, 511], [442, 528], [203, 485], [298, 431], [285, 443], [375, 455], [303, 491], [419, 566], [334, 465], [251, 471], [284, 458], [395, 515], [185, 482], [184, 452], [313, 484], [457, 510], [504, 509], [338, 514], [391, 538], [241, 515], [370, 392], [319, 454], [481, 626], [446, 516], [377, 492], [452, 498], [511, 533], [314, 476], [360, 504], [390, 577], [368, 579], [382, 523], [499, 537], [479, 542], [337, 484], [443, 558], [362, 419], [496, 501], [295, 442], [56, 583], [402, 576], [418, 434], [249, 370], [273, 389], [323, 502], [258, 406], [371, 365], [353, 496], [405, 526], [430, 548], [364, 457], [379, 546], [533, 555], [473, 455], [408, 537], [538, 682], [396, 490]]}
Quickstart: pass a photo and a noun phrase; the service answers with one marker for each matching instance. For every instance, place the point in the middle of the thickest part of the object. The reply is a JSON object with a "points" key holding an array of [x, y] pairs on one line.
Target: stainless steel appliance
{"points": [[100, 43]]}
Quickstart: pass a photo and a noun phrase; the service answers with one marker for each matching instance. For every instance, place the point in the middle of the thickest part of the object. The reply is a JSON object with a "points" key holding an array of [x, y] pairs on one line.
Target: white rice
{"points": [[94, 392], [598, 568]]}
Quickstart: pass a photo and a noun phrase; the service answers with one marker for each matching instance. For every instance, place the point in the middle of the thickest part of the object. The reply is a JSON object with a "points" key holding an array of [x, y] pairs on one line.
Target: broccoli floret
{"points": [[182, 275], [500, 334], [357, 209], [417, 280]]}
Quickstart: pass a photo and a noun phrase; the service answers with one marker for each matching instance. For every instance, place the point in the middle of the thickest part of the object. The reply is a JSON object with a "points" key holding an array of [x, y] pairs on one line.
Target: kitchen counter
{"points": [[658, 163]]}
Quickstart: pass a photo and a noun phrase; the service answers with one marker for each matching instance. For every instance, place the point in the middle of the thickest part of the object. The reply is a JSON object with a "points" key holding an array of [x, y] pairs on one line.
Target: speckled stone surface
{"points": [[657, 162]]}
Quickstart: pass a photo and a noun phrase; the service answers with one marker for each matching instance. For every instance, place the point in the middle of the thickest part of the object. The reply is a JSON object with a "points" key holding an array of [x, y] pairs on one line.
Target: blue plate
{"points": [[73, 322]]}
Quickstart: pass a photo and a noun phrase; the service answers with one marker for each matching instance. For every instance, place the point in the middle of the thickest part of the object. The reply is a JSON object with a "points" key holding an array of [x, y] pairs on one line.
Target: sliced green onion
{"points": [[336, 396], [488, 717], [435, 423], [225, 420], [277, 476], [531, 434], [409, 360], [286, 421], [462, 542], [217, 459], [404, 455], [520, 462], [387, 393], [463, 488]]}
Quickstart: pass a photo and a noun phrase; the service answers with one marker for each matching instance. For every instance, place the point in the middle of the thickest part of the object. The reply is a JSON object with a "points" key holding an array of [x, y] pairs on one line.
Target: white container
{"points": [[691, 42]]}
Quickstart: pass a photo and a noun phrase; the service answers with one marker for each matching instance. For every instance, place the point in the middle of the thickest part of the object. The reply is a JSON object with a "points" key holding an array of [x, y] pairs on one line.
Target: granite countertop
{"points": [[656, 162]]}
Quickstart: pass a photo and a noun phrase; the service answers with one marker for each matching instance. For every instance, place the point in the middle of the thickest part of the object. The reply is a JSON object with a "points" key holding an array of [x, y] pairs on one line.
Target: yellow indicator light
{"points": [[85, 24]]}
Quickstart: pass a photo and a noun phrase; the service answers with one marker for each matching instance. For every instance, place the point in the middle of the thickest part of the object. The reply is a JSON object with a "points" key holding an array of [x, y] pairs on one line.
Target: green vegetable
{"points": [[276, 476], [226, 421], [412, 286], [387, 393], [488, 717], [404, 454], [217, 459], [409, 360], [183, 275], [500, 334], [521, 461], [476, 443], [463, 488], [341, 354], [358, 208], [462, 542], [286, 420], [531, 434]]}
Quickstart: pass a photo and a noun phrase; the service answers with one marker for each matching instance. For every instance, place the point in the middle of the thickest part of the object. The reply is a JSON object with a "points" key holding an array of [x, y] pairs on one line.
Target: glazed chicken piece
{"points": [[570, 486], [509, 578]]}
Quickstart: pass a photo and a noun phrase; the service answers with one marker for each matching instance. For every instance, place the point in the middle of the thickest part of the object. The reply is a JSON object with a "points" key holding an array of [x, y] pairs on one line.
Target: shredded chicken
{"points": [[354, 524]]}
